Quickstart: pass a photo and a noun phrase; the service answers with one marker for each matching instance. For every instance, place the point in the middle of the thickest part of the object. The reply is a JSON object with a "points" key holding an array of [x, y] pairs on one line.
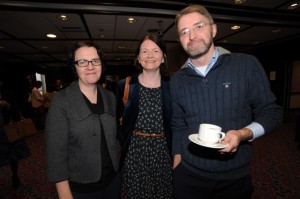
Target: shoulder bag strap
{"points": [[126, 90]]}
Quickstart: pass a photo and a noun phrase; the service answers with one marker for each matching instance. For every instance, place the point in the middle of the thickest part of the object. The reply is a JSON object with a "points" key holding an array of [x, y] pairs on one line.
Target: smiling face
{"points": [[196, 34], [89, 74], [150, 56]]}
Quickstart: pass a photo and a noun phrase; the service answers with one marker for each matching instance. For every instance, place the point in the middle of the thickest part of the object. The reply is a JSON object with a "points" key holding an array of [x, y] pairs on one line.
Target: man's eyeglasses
{"points": [[84, 63], [196, 28]]}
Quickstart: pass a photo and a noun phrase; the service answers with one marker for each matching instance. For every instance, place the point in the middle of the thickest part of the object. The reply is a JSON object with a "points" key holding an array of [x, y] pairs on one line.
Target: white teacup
{"points": [[210, 133]]}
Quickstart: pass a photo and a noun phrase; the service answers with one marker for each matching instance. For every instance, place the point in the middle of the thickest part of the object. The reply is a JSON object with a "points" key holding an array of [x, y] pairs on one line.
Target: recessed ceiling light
{"points": [[63, 17], [131, 20], [102, 35], [51, 35], [235, 27], [293, 6], [239, 1]]}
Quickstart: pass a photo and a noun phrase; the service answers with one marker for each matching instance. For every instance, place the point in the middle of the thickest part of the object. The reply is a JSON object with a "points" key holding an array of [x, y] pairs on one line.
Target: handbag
{"points": [[19, 130]]}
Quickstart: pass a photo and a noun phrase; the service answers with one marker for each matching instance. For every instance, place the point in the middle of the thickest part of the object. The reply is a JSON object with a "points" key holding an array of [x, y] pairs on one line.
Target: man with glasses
{"points": [[227, 89]]}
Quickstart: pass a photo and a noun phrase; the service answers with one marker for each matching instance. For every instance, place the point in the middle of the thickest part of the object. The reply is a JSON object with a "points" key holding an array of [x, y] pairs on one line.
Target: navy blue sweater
{"points": [[233, 94]]}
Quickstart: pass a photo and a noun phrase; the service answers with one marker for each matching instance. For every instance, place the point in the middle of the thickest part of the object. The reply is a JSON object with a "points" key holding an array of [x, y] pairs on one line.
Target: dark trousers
{"points": [[38, 118], [188, 185], [112, 191]]}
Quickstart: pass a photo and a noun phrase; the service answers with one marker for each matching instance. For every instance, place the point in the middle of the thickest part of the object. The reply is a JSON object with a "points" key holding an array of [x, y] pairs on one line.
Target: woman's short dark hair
{"points": [[78, 45], [37, 84], [160, 43]]}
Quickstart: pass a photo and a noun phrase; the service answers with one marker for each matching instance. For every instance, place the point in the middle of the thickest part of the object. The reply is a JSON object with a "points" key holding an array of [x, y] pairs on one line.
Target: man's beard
{"points": [[195, 54]]}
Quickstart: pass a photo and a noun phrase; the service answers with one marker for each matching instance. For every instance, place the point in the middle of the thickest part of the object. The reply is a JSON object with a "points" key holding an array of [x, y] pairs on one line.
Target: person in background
{"points": [[110, 84], [37, 99], [58, 85], [145, 133], [47, 98], [10, 153], [81, 132], [227, 89]]}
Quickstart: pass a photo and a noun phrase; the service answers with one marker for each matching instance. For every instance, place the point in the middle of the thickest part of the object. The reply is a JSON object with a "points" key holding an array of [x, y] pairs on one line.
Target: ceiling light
{"points": [[239, 1], [131, 20], [293, 6], [121, 47], [235, 27], [51, 35], [63, 17], [101, 30]]}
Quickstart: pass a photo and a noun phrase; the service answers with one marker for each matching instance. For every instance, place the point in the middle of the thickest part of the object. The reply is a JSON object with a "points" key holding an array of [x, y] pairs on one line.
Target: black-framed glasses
{"points": [[84, 63]]}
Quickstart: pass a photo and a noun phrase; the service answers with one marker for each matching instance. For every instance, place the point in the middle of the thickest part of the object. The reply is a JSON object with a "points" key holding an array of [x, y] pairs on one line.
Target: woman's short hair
{"points": [[78, 45], [37, 84]]}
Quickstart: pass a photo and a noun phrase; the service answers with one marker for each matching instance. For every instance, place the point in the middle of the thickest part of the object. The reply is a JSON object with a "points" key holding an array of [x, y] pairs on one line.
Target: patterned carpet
{"points": [[275, 169], [276, 165], [32, 175]]}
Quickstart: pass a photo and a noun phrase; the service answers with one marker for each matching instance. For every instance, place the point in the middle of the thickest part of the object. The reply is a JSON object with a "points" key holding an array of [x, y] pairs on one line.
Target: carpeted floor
{"points": [[275, 169], [276, 165], [32, 173]]}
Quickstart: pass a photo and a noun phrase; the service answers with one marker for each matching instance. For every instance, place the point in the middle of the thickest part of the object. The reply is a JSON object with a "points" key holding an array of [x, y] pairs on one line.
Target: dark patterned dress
{"points": [[147, 172]]}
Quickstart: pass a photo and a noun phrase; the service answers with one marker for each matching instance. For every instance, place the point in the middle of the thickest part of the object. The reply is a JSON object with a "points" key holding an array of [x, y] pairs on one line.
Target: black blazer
{"points": [[129, 113]]}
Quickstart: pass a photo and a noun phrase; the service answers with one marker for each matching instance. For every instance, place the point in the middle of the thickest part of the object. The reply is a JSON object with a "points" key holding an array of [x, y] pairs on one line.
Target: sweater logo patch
{"points": [[226, 84]]}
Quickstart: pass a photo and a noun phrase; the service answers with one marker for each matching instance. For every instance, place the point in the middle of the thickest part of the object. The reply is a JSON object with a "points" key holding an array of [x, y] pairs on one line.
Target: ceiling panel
{"points": [[224, 30], [13, 46], [99, 25], [24, 25], [52, 46], [254, 3], [261, 34], [129, 31]]}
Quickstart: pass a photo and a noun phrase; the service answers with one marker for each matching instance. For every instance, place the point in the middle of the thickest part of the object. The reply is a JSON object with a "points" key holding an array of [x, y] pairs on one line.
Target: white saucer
{"points": [[194, 138]]}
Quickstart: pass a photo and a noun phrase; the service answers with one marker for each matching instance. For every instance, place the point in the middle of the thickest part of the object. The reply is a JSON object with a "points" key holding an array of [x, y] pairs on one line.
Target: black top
{"points": [[107, 173]]}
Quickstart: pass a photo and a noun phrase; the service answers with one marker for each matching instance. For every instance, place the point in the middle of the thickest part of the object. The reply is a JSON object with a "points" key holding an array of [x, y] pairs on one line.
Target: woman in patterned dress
{"points": [[145, 134]]}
